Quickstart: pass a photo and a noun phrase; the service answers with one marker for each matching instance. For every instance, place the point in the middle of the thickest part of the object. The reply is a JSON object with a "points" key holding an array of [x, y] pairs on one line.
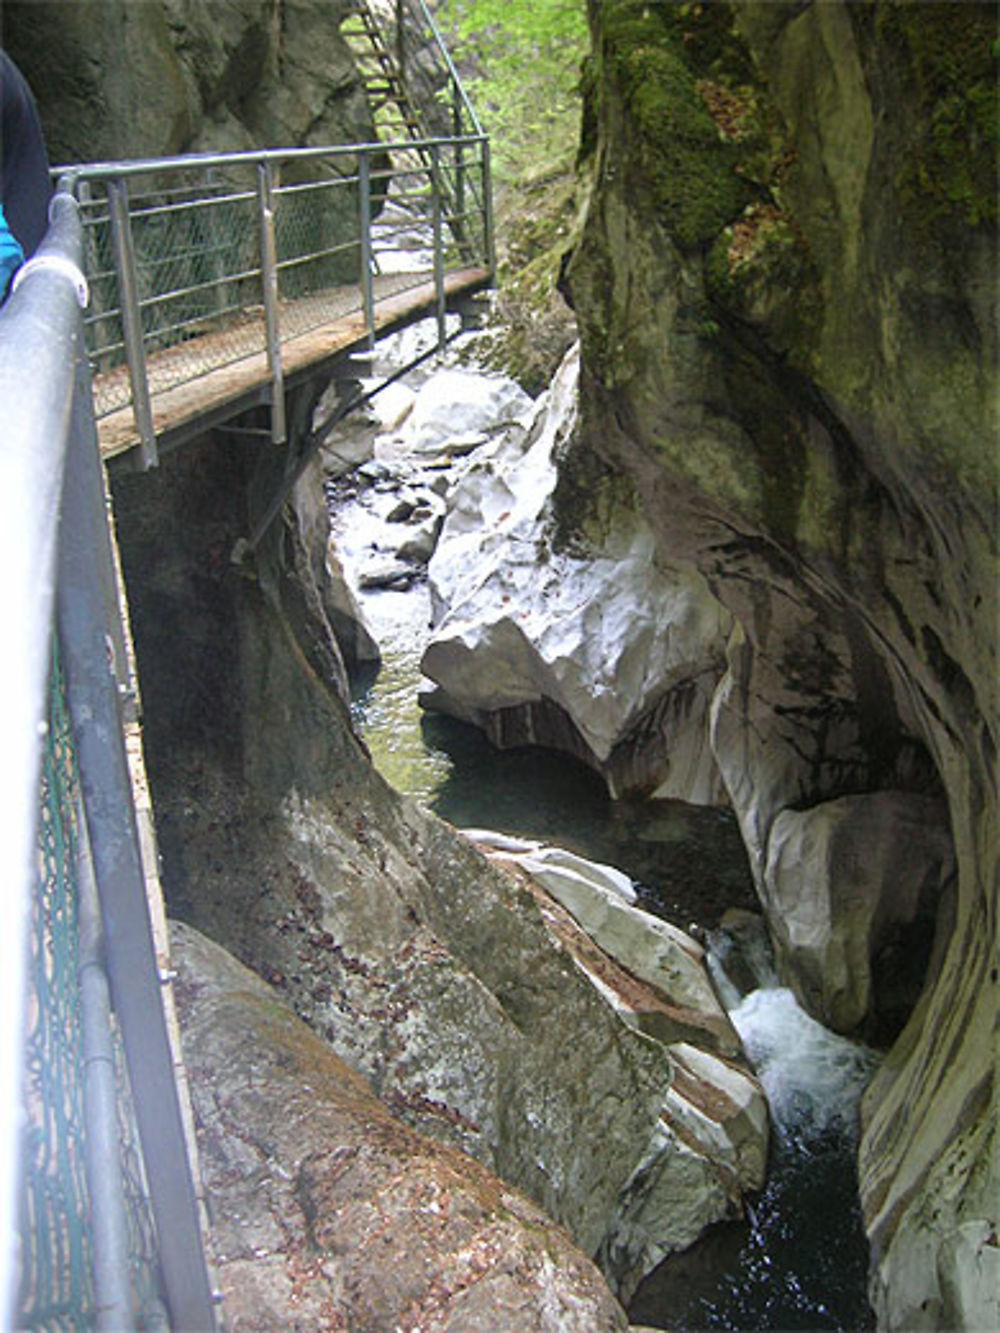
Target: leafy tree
{"points": [[521, 62]]}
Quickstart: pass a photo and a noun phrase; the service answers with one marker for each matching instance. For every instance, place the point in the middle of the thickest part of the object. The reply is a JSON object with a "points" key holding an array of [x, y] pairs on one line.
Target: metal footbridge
{"points": [[216, 284], [216, 279]]}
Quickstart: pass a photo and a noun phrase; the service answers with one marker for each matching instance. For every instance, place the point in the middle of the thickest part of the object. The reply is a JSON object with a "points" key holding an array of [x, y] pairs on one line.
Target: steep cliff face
{"points": [[785, 285], [117, 79]]}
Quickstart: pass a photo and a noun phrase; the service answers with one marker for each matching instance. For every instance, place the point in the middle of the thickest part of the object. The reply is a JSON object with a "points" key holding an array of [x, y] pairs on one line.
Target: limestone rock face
{"points": [[115, 79], [604, 649], [785, 289], [329, 1213]]}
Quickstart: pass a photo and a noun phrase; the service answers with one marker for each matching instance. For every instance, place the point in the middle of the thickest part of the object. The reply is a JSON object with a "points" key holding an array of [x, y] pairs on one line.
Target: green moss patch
{"points": [[688, 167]]}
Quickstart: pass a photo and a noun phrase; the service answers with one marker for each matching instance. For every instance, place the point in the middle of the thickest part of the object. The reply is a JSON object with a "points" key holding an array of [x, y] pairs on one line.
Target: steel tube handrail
{"points": [[88, 171], [95, 708], [39, 327], [50, 483]]}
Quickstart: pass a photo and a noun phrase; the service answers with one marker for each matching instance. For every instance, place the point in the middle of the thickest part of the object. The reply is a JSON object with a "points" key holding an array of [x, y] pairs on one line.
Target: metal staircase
{"points": [[394, 113], [416, 96]]}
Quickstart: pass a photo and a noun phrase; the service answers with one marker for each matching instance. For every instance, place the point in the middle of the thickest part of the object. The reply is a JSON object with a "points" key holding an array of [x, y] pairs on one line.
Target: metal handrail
{"points": [[73, 174], [37, 340], [458, 89], [57, 563], [153, 301]]}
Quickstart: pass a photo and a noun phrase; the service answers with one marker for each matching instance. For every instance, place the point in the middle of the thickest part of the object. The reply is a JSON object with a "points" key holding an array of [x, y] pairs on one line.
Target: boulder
{"points": [[850, 890], [456, 404], [354, 638], [603, 650], [328, 1212], [711, 1140]]}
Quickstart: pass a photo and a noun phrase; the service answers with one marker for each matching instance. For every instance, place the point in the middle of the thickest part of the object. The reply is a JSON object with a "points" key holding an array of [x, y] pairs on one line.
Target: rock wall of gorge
{"points": [[613, 1093], [785, 285], [116, 79]]}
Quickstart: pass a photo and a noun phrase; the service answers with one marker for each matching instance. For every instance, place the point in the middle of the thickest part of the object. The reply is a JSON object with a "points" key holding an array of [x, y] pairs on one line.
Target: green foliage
{"points": [[948, 57], [531, 327], [521, 60]]}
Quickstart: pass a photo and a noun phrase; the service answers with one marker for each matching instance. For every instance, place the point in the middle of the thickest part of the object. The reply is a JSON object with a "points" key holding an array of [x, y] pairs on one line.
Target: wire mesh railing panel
{"points": [[198, 277], [143, 1261], [56, 1290], [181, 276]]}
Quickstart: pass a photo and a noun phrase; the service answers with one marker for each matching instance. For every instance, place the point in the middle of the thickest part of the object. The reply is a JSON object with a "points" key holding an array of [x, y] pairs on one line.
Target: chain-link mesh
{"points": [[56, 1290], [56, 1286]]}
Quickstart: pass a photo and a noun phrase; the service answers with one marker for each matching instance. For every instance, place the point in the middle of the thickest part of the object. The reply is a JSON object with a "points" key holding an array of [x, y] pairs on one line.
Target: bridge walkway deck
{"points": [[333, 324]]}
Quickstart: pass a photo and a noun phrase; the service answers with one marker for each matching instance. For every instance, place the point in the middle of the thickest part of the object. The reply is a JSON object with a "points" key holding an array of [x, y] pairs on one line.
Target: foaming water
{"points": [[813, 1078], [800, 1262]]}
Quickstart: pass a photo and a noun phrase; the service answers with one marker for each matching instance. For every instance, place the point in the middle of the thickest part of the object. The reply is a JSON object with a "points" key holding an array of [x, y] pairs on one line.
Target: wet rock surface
{"points": [[600, 650], [435, 974]]}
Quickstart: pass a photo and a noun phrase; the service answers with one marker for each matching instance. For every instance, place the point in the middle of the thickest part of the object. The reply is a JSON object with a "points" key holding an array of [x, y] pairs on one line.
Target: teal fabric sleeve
{"points": [[11, 254]]}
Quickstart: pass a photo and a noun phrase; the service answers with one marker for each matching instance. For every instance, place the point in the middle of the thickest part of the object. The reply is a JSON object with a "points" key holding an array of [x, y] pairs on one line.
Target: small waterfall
{"points": [[802, 1260], [813, 1078]]}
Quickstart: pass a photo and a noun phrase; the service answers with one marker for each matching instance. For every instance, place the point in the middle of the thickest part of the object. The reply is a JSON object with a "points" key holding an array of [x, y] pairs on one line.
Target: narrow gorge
{"points": [[737, 563]]}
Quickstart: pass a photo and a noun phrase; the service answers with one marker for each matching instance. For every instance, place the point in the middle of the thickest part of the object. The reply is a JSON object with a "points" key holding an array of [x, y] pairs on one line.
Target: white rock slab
{"points": [[598, 898], [459, 403], [605, 634]]}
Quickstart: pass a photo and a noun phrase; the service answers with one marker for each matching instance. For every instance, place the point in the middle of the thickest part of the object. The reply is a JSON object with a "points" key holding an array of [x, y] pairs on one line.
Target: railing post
{"points": [[132, 336], [456, 121], [401, 40], [365, 206], [435, 156], [489, 236], [269, 285]]}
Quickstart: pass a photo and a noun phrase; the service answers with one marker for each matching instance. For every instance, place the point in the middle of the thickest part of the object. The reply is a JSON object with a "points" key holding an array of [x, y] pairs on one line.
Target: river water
{"points": [[800, 1260]]}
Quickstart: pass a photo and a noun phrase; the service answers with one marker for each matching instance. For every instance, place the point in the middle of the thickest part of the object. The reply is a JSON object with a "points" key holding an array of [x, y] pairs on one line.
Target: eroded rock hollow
{"points": [[785, 285]]}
